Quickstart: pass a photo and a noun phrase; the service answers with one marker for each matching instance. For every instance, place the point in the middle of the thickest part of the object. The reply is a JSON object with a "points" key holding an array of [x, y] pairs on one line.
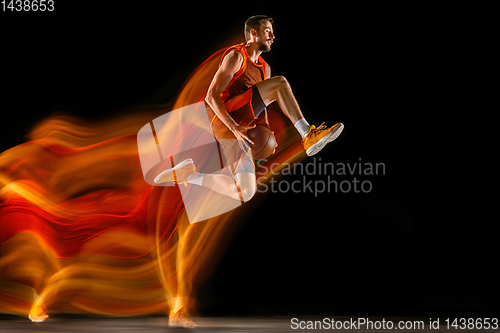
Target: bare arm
{"points": [[268, 71], [231, 63]]}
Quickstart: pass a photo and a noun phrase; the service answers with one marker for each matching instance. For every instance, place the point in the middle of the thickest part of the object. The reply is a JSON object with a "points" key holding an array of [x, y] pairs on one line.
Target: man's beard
{"points": [[264, 47]]}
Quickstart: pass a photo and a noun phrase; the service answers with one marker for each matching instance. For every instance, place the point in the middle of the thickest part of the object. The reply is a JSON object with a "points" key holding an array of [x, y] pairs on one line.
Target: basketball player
{"points": [[240, 90]]}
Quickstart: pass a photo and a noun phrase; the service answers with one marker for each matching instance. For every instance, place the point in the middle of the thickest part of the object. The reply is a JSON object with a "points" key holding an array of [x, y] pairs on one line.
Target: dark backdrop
{"points": [[396, 76]]}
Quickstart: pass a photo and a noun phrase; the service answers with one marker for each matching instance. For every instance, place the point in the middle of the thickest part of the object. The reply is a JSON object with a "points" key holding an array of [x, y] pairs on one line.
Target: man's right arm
{"points": [[231, 63]]}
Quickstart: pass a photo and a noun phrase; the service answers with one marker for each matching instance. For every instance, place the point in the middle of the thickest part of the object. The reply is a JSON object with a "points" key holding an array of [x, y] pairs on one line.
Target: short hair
{"points": [[255, 22]]}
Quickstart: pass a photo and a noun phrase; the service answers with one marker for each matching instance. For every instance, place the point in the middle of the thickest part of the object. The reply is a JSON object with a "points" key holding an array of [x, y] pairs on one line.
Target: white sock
{"points": [[302, 126], [196, 178]]}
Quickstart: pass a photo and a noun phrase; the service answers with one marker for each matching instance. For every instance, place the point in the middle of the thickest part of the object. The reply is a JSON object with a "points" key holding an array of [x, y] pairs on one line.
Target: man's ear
{"points": [[254, 32]]}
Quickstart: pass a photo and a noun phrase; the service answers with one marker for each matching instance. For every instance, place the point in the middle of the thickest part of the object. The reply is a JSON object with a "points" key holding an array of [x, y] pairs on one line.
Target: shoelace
{"points": [[315, 130], [320, 128]]}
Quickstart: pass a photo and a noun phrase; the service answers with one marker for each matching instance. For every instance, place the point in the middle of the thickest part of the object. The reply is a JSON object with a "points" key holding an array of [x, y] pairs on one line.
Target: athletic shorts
{"points": [[244, 109]]}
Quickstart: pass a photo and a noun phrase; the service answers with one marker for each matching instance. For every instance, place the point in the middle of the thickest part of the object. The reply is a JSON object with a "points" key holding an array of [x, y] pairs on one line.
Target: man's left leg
{"points": [[278, 89], [313, 138]]}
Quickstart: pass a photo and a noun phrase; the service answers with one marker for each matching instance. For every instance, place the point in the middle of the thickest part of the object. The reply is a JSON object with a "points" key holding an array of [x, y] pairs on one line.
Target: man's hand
{"points": [[240, 132], [276, 145]]}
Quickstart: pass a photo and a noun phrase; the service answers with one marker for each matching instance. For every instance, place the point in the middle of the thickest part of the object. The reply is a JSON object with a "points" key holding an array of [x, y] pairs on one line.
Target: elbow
{"points": [[209, 98]]}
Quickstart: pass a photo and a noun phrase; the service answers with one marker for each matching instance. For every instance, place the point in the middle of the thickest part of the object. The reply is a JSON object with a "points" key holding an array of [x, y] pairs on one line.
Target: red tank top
{"points": [[248, 75]]}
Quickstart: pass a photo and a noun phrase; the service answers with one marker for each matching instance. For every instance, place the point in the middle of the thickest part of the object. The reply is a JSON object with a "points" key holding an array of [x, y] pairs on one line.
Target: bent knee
{"points": [[281, 81], [248, 192], [247, 186]]}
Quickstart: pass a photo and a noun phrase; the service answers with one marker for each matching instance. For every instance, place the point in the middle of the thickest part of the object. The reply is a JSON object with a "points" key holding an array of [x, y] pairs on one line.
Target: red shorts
{"points": [[245, 109]]}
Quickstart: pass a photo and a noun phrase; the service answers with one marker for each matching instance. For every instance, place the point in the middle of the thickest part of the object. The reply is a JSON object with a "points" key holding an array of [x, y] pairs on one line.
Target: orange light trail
{"points": [[82, 232]]}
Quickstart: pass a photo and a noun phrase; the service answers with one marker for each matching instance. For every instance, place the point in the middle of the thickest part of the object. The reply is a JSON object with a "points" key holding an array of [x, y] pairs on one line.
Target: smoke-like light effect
{"points": [[81, 231]]}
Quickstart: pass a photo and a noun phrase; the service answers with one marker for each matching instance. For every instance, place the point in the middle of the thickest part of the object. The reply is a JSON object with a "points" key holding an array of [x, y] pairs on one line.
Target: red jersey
{"points": [[237, 96], [248, 75]]}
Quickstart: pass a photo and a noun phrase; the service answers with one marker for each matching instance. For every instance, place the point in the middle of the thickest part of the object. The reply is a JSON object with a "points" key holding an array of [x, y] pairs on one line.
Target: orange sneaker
{"points": [[317, 138], [177, 174]]}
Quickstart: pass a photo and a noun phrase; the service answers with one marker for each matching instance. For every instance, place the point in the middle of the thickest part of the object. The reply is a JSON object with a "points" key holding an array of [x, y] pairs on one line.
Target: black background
{"points": [[396, 76]]}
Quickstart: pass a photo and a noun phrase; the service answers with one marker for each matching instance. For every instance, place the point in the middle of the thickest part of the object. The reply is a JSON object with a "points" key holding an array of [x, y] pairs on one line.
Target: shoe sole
{"points": [[178, 166], [315, 148]]}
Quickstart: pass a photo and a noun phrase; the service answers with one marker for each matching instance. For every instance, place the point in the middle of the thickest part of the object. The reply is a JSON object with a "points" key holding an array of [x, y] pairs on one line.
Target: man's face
{"points": [[265, 37]]}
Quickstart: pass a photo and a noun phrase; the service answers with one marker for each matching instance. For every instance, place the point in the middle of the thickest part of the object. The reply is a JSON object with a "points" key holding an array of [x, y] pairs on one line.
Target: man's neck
{"points": [[253, 51]]}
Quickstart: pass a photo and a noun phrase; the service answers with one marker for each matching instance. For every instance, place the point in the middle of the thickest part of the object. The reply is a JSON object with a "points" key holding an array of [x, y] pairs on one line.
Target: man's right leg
{"points": [[236, 180], [242, 183]]}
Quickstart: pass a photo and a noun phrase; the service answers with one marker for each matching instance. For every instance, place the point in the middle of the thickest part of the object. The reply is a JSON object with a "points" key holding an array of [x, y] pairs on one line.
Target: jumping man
{"points": [[240, 90]]}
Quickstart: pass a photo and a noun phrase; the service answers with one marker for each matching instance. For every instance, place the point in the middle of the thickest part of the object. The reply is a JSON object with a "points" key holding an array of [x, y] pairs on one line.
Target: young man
{"points": [[240, 90]]}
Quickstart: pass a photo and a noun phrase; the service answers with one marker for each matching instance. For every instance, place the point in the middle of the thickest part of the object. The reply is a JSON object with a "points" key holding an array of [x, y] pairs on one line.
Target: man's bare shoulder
{"points": [[234, 56], [232, 62]]}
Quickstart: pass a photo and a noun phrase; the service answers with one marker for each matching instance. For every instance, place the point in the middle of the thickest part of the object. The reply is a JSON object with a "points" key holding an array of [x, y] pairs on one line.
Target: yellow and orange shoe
{"points": [[319, 137], [177, 174]]}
